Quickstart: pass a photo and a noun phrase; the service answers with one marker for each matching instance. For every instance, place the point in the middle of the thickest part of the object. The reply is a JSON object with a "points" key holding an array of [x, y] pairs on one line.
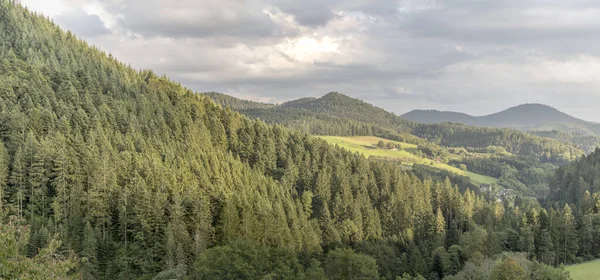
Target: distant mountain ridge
{"points": [[343, 110], [337, 114], [526, 117]]}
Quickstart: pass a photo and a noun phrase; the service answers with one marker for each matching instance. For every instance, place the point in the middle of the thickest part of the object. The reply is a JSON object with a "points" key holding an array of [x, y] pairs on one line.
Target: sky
{"points": [[472, 56]]}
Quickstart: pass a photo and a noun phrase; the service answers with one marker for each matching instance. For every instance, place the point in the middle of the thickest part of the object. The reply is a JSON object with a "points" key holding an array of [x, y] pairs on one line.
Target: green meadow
{"points": [[405, 155], [585, 271]]}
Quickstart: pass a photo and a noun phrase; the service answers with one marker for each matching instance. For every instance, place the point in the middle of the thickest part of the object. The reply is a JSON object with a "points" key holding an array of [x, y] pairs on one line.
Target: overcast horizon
{"points": [[470, 56]]}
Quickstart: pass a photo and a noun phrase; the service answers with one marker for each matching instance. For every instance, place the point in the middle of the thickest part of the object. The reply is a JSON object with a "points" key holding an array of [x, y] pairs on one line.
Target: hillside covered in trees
{"points": [[578, 183], [588, 143], [338, 114], [520, 160], [107, 172]]}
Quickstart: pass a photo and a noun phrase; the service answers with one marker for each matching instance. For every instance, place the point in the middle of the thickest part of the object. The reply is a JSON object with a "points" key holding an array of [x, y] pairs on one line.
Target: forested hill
{"points": [[342, 106], [338, 114], [236, 103], [107, 172], [526, 117], [516, 142], [435, 117], [588, 143]]}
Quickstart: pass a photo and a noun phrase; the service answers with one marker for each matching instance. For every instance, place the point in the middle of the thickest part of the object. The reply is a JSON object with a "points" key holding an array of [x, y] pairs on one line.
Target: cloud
{"points": [[468, 55], [82, 24], [311, 13], [213, 18], [192, 19]]}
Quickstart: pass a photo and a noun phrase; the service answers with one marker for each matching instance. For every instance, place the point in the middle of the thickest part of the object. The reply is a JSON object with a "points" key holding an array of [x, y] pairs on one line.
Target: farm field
{"points": [[585, 271], [405, 155]]}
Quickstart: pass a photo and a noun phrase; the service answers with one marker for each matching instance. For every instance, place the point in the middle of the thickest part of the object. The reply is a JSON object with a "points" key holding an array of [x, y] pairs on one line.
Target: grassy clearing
{"points": [[585, 271], [363, 145], [480, 179]]}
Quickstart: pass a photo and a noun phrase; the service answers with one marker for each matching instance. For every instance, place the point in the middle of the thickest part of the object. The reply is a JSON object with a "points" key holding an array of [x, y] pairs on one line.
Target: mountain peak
{"points": [[529, 116], [334, 94], [330, 99], [530, 112], [344, 106], [535, 107], [436, 116]]}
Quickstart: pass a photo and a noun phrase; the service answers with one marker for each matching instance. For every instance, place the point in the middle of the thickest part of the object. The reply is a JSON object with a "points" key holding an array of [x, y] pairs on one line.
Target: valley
{"points": [[112, 172]]}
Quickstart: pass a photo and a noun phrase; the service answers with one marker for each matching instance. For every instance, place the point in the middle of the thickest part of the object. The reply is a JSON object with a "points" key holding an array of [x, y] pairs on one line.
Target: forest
{"points": [[521, 161], [587, 143], [108, 172]]}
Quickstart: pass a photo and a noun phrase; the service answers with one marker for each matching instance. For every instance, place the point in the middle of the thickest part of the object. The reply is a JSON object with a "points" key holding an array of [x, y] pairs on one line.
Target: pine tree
{"points": [[61, 186], [439, 262], [230, 221], [4, 162], [18, 179], [89, 252], [586, 237], [102, 184], [37, 178], [440, 222], [170, 247], [544, 247], [569, 236], [528, 241]]}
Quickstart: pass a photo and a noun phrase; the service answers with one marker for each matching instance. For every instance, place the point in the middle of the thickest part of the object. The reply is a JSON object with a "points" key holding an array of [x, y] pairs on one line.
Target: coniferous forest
{"points": [[107, 172]]}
